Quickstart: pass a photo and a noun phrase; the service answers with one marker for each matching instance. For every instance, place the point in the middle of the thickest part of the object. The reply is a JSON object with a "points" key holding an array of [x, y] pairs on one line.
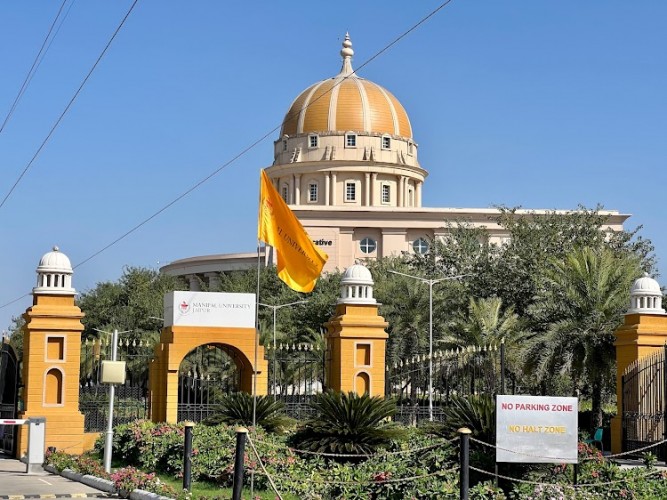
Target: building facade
{"points": [[347, 164]]}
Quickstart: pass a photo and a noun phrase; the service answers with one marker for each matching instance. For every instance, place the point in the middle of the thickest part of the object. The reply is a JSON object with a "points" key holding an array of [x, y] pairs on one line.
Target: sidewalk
{"points": [[15, 483]]}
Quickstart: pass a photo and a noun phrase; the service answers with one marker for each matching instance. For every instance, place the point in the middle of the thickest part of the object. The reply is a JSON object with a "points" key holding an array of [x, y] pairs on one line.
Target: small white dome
{"points": [[357, 274], [55, 261], [645, 286], [54, 274], [356, 286], [645, 297]]}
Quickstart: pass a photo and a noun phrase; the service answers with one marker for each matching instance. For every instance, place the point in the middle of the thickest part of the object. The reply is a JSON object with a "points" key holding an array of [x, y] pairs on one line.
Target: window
{"points": [[350, 191], [350, 140], [410, 148], [386, 142], [411, 197], [386, 193], [284, 144], [313, 141], [368, 245], [312, 192], [285, 193], [420, 246]]}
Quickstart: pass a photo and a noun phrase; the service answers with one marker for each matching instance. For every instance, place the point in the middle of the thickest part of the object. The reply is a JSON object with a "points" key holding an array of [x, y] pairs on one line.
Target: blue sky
{"points": [[538, 104]]}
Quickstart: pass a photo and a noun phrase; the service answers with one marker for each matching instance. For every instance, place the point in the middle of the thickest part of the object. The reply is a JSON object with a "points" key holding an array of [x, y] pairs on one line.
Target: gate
{"points": [[9, 388], [131, 399], [644, 403], [206, 374]]}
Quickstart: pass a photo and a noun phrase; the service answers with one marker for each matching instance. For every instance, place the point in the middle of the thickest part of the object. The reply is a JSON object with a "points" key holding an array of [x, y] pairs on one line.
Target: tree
{"points": [[580, 306], [485, 323]]}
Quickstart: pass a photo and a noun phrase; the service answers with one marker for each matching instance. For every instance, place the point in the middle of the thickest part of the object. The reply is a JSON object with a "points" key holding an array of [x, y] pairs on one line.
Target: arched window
{"points": [[362, 384], [285, 193], [53, 387]]}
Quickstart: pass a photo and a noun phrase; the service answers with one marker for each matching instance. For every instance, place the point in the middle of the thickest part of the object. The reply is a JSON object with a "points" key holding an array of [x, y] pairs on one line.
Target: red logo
{"points": [[184, 307]]}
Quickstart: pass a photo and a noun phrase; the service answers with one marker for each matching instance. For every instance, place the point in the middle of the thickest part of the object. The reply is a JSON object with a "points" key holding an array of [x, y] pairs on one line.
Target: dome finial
{"points": [[346, 53]]}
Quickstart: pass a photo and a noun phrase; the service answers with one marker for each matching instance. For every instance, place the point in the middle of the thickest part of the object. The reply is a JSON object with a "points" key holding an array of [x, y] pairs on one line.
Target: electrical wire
{"points": [[35, 65], [244, 151], [69, 105]]}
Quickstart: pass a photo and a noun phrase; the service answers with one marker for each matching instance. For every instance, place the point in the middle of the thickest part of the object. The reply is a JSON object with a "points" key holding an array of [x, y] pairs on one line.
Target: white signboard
{"points": [[536, 429], [209, 309]]}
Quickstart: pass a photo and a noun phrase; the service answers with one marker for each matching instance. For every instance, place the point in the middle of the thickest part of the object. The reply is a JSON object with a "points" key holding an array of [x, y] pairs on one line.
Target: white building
{"points": [[347, 164]]}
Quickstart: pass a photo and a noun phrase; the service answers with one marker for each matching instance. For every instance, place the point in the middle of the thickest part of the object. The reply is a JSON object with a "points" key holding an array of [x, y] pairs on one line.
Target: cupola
{"points": [[54, 274], [645, 297], [356, 286]]}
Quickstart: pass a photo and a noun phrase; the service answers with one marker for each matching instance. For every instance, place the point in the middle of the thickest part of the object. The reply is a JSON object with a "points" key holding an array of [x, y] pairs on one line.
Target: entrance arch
{"points": [[206, 374], [195, 319]]}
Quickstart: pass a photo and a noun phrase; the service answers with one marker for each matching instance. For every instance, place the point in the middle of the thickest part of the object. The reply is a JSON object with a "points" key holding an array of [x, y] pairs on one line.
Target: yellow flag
{"points": [[300, 261]]}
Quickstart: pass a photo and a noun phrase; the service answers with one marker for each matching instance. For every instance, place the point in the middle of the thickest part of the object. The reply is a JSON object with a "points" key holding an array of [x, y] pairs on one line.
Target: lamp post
{"points": [[275, 309], [430, 283]]}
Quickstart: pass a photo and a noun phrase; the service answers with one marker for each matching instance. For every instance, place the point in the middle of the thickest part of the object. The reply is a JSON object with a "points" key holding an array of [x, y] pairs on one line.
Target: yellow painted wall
{"points": [[638, 336], [51, 356], [177, 341]]}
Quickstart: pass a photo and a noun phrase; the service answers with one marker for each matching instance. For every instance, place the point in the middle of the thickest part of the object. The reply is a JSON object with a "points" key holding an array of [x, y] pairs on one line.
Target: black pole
{"points": [[464, 473], [575, 476], [187, 456], [237, 486]]}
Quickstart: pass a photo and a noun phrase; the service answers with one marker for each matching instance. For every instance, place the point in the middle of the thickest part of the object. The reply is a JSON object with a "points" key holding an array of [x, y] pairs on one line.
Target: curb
{"points": [[66, 495], [94, 482]]}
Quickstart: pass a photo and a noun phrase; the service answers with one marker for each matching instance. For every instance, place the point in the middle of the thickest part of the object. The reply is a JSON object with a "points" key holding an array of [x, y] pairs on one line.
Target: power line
{"points": [[245, 150], [33, 68], [69, 105]]}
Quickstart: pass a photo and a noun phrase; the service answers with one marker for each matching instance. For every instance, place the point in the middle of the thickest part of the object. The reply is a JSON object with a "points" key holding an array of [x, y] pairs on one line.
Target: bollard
{"points": [[187, 456], [575, 475], [237, 486], [464, 474]]}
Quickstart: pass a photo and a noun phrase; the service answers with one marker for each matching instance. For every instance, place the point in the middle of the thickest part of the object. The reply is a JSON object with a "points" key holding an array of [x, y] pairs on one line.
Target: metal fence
{"points": [[644, 403]]}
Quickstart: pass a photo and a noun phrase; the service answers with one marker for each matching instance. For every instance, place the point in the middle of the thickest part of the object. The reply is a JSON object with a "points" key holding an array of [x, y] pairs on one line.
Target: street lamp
{"points": [[275, 308], [430, 282]]}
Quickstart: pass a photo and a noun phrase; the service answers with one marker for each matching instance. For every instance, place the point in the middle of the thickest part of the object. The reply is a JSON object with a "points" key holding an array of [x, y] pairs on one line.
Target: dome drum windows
{"points": [[313, 141], [284, 193], [386, 142], [350, 191], [368, 245], [312, 192], [350, 140], [386, 194]]}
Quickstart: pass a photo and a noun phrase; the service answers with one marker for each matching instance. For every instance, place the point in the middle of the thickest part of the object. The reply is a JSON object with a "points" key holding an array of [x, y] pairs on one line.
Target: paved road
{"points": [[15, 483]]}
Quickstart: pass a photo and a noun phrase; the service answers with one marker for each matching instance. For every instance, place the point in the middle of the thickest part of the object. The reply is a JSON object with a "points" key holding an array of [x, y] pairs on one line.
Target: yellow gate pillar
{"points": [[51, 355], [356, 338], [644, 331]]}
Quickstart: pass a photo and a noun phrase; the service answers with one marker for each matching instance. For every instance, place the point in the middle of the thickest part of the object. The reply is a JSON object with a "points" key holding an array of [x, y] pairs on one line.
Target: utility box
{"points": [[113, 372]]}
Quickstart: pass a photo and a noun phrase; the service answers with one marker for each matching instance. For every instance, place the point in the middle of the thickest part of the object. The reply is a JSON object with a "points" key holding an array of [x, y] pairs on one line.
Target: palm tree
{"points": [[484, 323], [585, 294]]}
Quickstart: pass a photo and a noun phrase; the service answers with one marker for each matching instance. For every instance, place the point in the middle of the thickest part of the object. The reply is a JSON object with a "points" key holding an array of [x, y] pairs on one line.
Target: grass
{"points": [[204, 489]]}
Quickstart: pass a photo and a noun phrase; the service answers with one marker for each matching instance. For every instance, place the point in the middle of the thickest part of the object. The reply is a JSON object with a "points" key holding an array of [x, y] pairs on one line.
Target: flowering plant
{"points": [[129, 479]]}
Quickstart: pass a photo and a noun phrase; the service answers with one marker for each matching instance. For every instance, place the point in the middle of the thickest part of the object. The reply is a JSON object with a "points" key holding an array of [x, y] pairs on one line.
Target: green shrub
{"points": [[347, 423], [237, 409]]}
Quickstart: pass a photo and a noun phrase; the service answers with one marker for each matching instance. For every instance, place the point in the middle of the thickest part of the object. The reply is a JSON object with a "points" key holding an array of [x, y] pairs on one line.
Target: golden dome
{"points": [[346, 102]]}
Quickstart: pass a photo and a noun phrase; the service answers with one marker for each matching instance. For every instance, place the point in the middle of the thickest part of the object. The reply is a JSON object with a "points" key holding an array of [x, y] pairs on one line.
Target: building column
{"points": [[418, 194], [374, 185], [193, 281], [297, 189], [290, 197], [333, 188], [401, 191], [213, 280], [327, 188], [367, 186]]}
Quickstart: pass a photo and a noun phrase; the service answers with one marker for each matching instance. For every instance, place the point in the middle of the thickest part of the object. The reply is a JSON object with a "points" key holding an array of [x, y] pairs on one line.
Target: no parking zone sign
{"points": [[536, 429]]}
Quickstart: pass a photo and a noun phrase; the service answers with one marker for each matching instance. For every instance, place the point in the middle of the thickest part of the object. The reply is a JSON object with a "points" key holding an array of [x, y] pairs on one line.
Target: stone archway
{"points": [[188, 316]]}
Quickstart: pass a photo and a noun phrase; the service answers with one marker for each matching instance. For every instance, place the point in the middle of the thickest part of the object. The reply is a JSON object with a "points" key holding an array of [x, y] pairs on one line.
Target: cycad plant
{"points": [[350, 424], [237, 409]]}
